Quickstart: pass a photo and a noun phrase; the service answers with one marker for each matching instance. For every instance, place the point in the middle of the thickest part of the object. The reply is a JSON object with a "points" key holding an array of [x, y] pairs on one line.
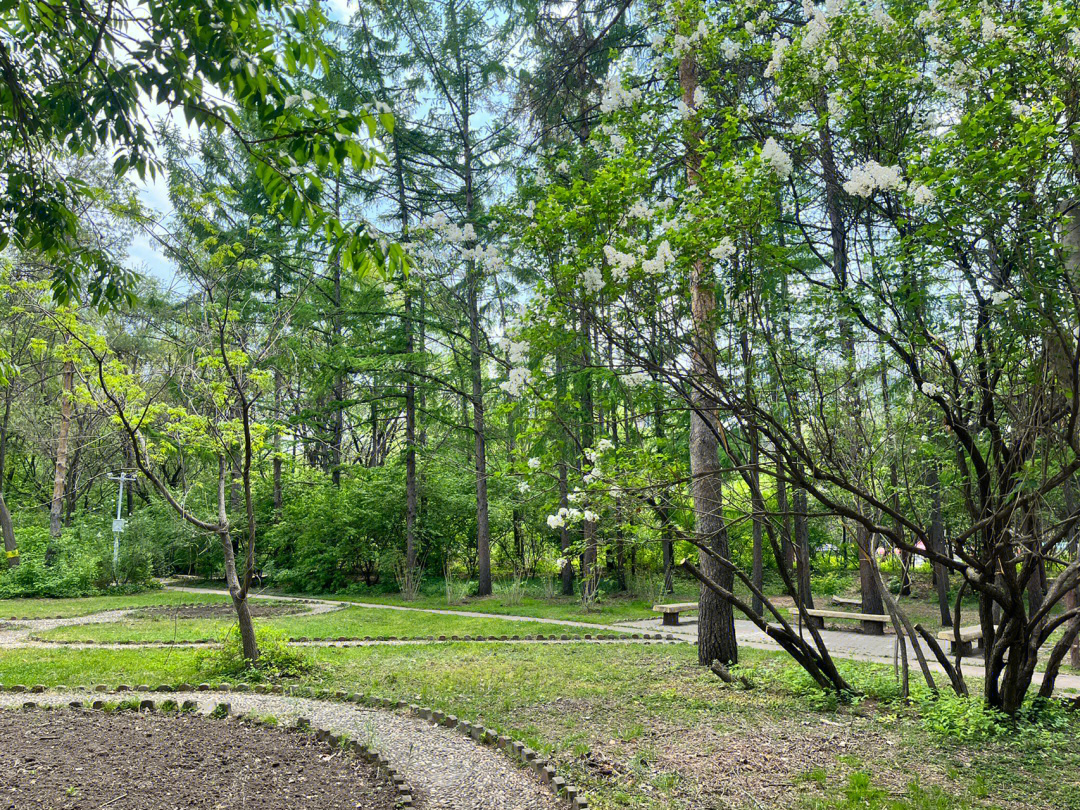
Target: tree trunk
{"points": [[716, 622], [236, 590], [937, 544], [11, 548], [802, 551], [60, 476]]}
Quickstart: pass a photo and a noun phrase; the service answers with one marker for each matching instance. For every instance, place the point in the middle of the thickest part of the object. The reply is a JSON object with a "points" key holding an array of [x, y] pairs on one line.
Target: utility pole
{"points": [[119, 522]]}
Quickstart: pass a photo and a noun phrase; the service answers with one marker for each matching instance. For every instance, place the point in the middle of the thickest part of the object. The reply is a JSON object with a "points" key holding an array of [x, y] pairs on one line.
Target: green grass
{"points": [[644, 727], [66, 608], [610, 608], [351, 622]]}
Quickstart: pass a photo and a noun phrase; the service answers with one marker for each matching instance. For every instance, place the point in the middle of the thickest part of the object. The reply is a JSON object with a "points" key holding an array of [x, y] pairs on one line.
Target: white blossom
{"points": [[723, 250], [921, 194], [523, 487], [562, 167], [872, 176], [591, 517], [729, 49], [777, 158], [930, 389], [556, 522], [593, 279], [534, 463]]}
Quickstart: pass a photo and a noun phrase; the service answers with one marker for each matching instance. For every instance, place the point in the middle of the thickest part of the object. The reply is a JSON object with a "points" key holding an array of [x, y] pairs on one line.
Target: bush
{"points": [[966, 719], [277, 659], [78, 563], [830, 584]]}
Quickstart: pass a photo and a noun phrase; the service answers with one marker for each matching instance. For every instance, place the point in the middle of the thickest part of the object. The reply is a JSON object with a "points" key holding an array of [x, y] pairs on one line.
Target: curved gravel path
{"points": [[446, 769]]}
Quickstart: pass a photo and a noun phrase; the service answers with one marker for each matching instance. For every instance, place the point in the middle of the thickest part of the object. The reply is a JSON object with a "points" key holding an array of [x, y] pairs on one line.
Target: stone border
{"points": [[303, 725], [518, 752], [381, 639]]}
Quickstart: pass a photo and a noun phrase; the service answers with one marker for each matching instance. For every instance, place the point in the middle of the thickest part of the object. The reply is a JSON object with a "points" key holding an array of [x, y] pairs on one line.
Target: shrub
{"points": [[277, 659], [966, 719]]}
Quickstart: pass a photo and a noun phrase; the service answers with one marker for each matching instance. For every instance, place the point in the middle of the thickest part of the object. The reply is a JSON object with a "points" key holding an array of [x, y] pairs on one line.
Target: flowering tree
{"points": [[882, 198]]}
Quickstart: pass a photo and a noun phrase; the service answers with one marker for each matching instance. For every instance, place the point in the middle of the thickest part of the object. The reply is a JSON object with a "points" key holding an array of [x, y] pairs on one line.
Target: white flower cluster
{"points": [[523, 487], [564, 516], [723, 250], [684, 44], [658, 264], [780, 47], [562, 167], [620, 263], [999, 297], [487, 256], [730, 49], [615, 96], [872, 176], [517, 379], [930, 389], [517, 352], [534, 463], [593, 279], [777, 159]]}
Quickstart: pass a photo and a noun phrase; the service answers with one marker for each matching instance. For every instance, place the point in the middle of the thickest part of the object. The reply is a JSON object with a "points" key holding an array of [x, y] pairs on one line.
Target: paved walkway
{"points": [[446, 769], [846, 644]]}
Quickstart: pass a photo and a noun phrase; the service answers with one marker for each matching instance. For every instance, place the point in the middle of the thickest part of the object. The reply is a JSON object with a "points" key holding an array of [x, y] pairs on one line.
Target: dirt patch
{"points": [[222, 610], [72, 759]]}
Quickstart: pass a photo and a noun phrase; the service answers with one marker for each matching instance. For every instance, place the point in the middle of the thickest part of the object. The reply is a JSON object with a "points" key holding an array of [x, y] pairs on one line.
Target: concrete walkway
{"points": [[849, 645]]}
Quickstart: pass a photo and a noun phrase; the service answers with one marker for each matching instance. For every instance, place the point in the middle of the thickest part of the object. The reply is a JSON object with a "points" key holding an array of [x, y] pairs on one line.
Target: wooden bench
{"points": [[671, 612], [872, 622], [846, 601], [970, 639]]}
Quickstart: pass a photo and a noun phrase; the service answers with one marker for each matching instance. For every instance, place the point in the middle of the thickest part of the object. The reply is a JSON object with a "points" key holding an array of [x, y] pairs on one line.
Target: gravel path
{"points": [[446, 769]]}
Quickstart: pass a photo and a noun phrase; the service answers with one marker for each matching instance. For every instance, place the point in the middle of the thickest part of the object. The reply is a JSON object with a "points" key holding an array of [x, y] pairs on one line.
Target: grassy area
{"points": [[350, 622], [646, 728], [66, 608], [532, 598]]}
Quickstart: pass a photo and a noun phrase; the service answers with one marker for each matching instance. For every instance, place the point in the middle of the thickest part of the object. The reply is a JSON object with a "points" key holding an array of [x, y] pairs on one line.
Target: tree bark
{"points": [[716, 622], [60, 476], [11, 548]]}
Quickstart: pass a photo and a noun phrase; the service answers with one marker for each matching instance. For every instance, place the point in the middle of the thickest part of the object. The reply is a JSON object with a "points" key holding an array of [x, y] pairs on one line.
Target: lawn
{"points": [[644, 727], [525, 599], [349, 622]]}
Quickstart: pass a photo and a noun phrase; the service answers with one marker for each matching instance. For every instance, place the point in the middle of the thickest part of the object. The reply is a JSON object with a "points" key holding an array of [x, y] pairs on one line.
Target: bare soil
{"points": [[223, 610], [71, 759]]}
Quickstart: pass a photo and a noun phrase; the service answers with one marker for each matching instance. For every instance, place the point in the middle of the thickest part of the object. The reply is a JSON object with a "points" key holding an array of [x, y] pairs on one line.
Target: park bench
{"points": [[671, 612], [969, 636], [846, 601], [876, 621]]}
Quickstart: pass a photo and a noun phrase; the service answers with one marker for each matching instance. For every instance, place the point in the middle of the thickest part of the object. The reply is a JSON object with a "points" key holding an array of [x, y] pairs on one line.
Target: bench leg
{"points": [[671, 619], [961, 647]]}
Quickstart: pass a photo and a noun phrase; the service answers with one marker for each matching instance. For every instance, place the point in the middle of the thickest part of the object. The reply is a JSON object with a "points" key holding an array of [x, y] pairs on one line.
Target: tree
{"points": [[76, 78]]}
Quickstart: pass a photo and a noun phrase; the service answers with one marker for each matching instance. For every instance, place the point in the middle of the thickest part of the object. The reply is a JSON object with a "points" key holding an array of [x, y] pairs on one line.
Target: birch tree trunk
{"points": [[60, 475]]}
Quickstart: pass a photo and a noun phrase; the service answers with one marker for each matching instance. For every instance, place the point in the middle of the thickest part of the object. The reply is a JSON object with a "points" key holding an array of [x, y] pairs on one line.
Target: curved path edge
{"points": [[444, 761]]}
